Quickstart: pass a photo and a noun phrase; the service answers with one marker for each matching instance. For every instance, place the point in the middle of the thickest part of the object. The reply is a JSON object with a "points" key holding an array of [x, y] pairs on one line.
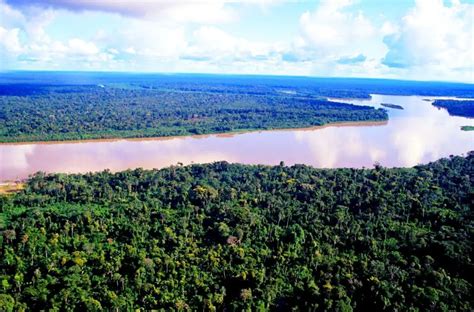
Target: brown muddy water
{"points": [[417, 134]]}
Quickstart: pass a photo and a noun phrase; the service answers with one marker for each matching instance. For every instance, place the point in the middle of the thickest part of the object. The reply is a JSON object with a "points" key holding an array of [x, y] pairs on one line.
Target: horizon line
{"points": [[228, 74]]}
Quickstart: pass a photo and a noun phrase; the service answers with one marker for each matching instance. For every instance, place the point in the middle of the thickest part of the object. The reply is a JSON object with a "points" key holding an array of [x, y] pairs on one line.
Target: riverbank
{"points": [[338, 145], [9, 188], [198, 136]]}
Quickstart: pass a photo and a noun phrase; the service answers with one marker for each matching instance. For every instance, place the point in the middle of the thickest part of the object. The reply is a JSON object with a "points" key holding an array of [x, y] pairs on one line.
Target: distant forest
{"points": [[84, 112], [457, 107], [229, 237], [65, 106]]}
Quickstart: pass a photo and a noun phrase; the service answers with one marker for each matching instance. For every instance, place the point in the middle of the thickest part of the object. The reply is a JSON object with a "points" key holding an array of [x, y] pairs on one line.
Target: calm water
{"points": [[418, 134]]}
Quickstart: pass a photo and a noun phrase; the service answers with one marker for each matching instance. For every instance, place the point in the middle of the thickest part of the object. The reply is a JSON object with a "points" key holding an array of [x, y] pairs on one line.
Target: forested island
{"points": [[238, 237], [394, 106], [464, 108]]}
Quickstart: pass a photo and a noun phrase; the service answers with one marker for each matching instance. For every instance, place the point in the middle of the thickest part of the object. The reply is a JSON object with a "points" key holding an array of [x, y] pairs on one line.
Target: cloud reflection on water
{"points": [[418, 134]]}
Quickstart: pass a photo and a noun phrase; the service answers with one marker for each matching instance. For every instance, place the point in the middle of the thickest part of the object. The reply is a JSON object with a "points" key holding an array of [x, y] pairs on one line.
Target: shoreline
{"points": [[11, 187], [202, 136]]}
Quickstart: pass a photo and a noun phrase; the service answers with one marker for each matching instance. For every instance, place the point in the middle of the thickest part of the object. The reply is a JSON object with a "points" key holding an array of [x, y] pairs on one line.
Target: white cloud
{"points": [[11, 23], [80, 47], [388, 28], [10, 46], [332, 26], [434, 39], [10, 17], [213, 43], [130, 50], [334, 34], [29, 43], [9, 40], [334, 39], [152, 39]]}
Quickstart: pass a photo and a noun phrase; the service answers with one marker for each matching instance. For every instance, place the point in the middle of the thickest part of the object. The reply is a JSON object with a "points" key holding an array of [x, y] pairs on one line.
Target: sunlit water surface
{"points": [[418, 134]]}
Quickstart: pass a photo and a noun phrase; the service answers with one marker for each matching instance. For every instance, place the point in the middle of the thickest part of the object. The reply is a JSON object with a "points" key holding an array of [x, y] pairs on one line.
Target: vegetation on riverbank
{"points": [[467, 128], [236, 237], [394, 106], [93, 112], [464, 108], [57, 106]]}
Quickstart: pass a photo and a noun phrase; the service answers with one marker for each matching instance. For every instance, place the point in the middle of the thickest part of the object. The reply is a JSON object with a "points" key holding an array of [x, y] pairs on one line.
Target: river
{"points": [[417, 134]]}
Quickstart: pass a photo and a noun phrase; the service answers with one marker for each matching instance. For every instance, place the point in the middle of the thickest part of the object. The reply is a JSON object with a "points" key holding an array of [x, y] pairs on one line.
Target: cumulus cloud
{"points": [[10, 17], [214, 43], [335, 38], [434, 37], [24, 40], [10, 46], [329, 25], [158, 43], [9, 40], [81, 47], [150, 39], [352, 60]]}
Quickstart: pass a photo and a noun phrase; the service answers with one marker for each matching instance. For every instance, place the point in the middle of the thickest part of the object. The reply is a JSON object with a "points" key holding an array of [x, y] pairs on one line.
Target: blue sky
{"points": [[407, 39]]}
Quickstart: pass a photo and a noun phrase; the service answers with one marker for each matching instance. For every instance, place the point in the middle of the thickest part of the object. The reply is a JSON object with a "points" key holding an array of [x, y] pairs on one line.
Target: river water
{"points": [[418, 134]]}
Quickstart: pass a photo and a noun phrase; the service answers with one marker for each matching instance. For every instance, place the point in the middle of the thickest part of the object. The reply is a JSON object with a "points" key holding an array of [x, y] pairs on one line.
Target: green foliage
{"points": [[394, 106], [467, 128], [93, 112], [242, 238], [463, 108]]}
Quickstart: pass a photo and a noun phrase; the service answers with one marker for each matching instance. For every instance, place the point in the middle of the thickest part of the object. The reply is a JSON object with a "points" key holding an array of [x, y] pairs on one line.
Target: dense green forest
{"points": [[242, 238], [96, 112], [464, 108], [35, 82], [36, 106]]}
